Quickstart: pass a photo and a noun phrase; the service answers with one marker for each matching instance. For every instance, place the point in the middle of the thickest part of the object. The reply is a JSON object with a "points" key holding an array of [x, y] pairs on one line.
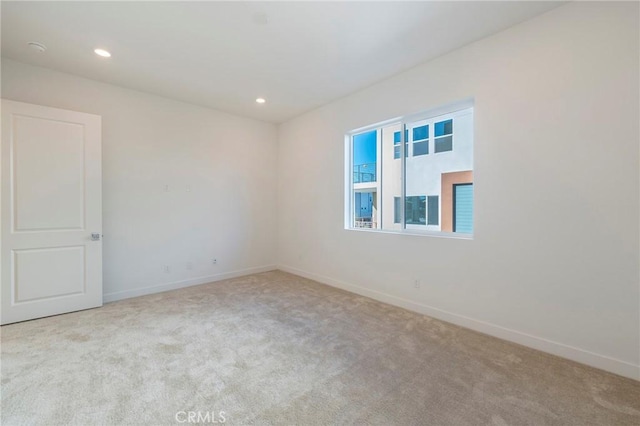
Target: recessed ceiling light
{"points": [[102, 53], [261, 100], [37, 46]]}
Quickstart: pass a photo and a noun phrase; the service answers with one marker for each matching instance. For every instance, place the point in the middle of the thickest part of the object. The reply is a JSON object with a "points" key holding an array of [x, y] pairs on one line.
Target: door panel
{"points": [[48, 177], [31, 282], [50, 205]]}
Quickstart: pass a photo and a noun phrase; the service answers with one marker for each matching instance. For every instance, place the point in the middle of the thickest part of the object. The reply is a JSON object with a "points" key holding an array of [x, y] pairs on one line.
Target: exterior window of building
{"points": [[416, 210], [420, 140], [444, 136], [396, 144], [423, 192], [433, 210]]}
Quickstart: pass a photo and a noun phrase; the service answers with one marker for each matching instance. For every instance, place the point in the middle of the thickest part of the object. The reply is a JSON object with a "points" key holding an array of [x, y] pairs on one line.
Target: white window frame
{"points": [[428, 117]]}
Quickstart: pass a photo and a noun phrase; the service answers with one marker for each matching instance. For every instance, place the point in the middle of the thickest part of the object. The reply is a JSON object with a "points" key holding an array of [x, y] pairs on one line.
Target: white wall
{"points": [[554, 259], [228, 163]]}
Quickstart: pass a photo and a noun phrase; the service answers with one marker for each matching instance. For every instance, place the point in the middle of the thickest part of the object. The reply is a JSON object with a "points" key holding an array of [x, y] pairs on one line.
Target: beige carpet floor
{"points": [[274, 348]]}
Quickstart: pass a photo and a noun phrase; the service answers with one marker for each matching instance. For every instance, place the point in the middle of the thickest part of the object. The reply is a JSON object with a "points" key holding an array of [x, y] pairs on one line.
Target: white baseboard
{"points": [[126, 294], [582, 356]]}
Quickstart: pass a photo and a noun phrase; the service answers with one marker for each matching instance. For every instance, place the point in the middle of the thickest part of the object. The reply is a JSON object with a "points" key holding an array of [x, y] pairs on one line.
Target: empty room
{"points": [[320, 213]]}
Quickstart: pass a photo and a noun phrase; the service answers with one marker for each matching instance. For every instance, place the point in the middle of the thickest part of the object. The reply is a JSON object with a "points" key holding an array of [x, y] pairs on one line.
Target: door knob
{"points": [[95, 236]]}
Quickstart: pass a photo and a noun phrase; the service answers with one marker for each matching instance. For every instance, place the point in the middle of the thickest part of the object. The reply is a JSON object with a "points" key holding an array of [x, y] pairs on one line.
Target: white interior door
{"points": [[51, 204]]}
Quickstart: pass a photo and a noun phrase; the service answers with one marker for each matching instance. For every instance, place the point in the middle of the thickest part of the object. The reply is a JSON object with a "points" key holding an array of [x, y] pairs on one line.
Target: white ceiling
{"points": [[223, 55]]}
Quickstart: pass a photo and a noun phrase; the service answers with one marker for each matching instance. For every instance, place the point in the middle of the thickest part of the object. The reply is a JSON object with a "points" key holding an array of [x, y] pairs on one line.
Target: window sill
{"points": [[416, 233]]}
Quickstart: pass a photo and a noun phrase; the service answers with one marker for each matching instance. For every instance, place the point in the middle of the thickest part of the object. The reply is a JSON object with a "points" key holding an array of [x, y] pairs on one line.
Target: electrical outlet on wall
{"points": [[166, 269], [214, 261], [416, 283]]}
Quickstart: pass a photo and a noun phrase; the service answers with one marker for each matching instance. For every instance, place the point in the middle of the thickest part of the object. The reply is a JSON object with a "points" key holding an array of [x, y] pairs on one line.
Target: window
{"points": [[396, 144], [444, 136], [433, 210], [408, 174], [416, 210], [420, 210], [421, 140]]}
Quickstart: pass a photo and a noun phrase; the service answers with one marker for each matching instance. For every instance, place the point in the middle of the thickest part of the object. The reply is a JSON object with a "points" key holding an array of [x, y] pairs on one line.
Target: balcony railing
{"points": [[363, 173], [363, 223]]}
